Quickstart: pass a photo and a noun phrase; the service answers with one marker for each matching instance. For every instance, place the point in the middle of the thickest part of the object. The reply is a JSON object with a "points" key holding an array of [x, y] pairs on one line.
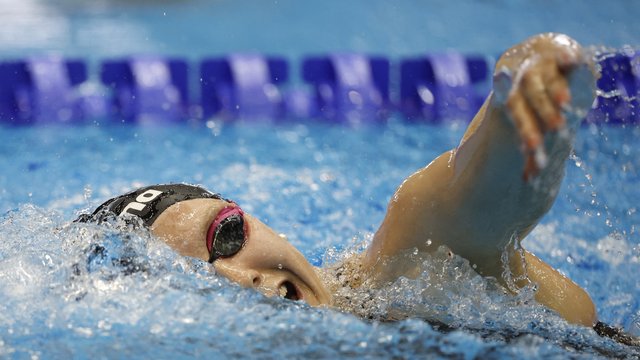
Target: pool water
{"points": [[86, 291]]}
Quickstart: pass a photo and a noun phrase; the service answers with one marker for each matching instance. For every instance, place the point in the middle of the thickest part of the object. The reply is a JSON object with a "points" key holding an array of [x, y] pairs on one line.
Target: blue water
{"points": [[325, 186]]}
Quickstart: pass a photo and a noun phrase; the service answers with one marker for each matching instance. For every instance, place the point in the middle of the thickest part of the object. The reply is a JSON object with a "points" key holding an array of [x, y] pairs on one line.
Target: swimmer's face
{"points": [[267, 261]]}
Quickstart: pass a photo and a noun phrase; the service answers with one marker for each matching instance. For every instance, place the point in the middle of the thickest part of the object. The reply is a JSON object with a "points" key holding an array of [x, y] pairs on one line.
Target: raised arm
{"points": [[504, 176]]}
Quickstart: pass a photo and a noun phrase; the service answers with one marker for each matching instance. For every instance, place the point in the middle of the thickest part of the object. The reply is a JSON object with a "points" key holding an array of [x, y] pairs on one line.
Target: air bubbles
{"points": [[215, 126], [576, 160], [87, 192], [84, 331]]}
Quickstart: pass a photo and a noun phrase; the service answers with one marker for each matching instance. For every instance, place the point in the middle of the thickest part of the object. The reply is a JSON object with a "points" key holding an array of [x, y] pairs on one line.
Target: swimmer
{"points": [[478, 200]]}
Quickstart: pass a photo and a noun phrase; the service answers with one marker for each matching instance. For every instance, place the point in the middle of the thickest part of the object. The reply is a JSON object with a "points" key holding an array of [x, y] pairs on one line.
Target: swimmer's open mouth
{"points": [[289, 291]]}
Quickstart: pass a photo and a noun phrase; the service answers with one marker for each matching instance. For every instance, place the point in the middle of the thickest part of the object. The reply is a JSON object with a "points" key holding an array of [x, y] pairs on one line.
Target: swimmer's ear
{"points": [[502, 82]]}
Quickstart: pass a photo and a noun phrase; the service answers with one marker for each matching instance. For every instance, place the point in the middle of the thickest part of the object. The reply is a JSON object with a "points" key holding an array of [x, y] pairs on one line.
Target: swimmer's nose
{"points": [[277, 284], [256, 278], [250, 279], [245, 277], [268, 282]]}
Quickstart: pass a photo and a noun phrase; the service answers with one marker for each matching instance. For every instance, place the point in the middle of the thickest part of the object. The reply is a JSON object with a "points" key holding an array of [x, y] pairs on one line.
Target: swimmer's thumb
{"points": [[582, 87], [502, 82]]}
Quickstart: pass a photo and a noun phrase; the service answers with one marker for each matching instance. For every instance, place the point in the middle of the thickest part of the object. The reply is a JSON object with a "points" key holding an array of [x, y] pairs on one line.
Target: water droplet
{"points": [[87, 192]]}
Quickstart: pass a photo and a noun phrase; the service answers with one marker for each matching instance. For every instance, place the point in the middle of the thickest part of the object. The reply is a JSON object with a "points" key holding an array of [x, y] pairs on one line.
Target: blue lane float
{"points": [[41, 90], [349, 87], [243, 86], [618, 89], [147, 88], [443, 86]]}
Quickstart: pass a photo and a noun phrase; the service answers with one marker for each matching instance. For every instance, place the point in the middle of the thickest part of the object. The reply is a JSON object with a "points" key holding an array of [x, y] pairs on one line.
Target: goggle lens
{"points": [[229, 236], [226, 235]]}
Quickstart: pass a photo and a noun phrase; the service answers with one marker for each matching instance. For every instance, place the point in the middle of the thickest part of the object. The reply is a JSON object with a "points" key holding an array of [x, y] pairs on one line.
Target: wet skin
{"points": [[267, 261]]}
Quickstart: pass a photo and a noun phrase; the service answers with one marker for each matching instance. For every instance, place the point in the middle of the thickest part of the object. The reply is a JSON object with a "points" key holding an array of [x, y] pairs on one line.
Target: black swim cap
{"points": [[147, 203]]}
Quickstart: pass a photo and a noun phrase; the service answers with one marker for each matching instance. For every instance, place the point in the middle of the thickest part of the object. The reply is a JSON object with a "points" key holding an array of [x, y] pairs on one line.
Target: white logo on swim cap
{"points": [[141, 201]]}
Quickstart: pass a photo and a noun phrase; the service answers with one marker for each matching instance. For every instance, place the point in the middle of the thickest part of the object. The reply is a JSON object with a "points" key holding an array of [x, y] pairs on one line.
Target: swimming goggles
{"points": [[227, 233]]}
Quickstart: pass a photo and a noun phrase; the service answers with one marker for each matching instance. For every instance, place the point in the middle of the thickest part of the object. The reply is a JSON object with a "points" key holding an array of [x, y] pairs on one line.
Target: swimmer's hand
{"points": [[531, 84]]}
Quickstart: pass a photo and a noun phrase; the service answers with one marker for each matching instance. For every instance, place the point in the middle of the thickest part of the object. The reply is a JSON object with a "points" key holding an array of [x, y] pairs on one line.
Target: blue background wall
{"points": [[292, 27]]}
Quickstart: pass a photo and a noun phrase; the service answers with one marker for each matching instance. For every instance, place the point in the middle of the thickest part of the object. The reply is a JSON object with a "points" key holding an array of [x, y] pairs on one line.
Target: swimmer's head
{"points": [[203, 225], [225, 236], [147, 203]]}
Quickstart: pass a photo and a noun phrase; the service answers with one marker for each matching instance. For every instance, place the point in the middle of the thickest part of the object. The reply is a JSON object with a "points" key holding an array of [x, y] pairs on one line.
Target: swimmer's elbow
{"points": [[558, 292], [577, 307], [584, 312]]}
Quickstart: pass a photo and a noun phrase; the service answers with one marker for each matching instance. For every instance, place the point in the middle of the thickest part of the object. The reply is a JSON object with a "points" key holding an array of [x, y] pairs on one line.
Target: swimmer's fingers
{"points": [[546, 90], [536, 102], [537, 91], [529, 130]]}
